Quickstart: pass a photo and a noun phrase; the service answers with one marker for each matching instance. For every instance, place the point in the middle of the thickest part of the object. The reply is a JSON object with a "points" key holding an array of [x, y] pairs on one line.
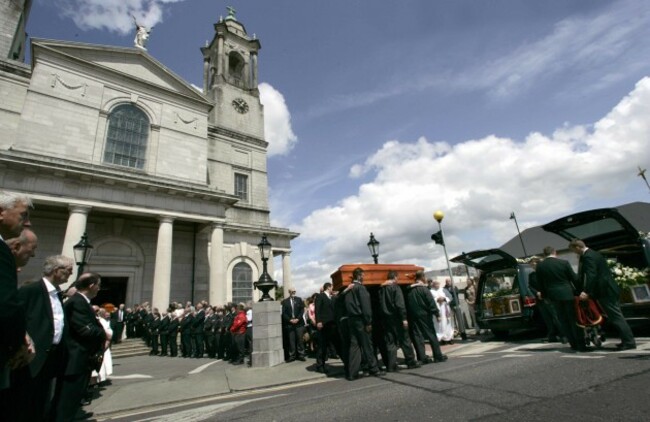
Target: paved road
{"points": [[483, 381]]}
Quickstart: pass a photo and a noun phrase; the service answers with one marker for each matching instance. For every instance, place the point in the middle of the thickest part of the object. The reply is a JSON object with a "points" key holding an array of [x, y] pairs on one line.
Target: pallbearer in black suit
{"points": [[293, 309], [597, 283], [422, 308], [556, 280], [47, 326], [359, 311], [326, 326], [186, 332], [393, 314], [86, 338]]}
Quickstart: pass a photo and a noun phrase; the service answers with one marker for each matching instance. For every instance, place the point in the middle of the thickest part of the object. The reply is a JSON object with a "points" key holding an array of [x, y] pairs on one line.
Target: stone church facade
{"points": [[169, 183]]}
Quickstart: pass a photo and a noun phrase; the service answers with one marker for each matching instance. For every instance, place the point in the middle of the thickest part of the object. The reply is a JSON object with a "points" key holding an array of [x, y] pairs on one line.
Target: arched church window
{"points": [[236, 69], [126, 139], [242, 283]]}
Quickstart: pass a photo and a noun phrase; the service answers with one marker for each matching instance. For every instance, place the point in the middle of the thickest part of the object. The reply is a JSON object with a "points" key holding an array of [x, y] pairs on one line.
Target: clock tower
{"points": [[230, 78]]}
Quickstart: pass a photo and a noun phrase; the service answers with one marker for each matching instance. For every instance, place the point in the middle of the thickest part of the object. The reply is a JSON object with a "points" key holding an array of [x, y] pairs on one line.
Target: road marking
{"points": [[129, 377], [518, 355], [470, 356], [204, 413], [202, 367], [582, 357]]}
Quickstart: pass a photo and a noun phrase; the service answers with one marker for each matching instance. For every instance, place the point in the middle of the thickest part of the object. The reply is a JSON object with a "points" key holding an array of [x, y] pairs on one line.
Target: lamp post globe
{"points": [[438, 216], [265, 282]]}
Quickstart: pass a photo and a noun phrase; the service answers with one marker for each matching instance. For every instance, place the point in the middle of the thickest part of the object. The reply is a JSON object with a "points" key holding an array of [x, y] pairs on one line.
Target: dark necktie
{"points": [[59, 293]]}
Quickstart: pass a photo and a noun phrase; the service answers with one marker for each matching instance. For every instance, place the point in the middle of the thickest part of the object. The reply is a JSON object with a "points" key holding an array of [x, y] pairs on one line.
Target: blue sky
{"points": [[383, 112]]}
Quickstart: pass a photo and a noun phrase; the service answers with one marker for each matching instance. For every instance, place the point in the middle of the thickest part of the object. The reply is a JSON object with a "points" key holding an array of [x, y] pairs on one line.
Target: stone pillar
{"points": [[287, 284], [267, 334], [254, 70], [163, 269], [221, 58], [73, 232], [217, 286]]}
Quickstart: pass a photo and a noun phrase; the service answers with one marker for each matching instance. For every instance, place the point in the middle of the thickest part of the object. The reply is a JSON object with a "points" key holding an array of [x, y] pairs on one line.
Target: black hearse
{"points": [[503, 300]]}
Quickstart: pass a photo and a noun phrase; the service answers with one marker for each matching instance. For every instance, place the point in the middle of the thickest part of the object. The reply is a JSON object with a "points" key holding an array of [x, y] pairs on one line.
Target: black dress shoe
{"points": [[352, 377], [622, 346], [80, 416], [301, 358], [440, 359], [426, 360], [414, 365], [379, 373]]}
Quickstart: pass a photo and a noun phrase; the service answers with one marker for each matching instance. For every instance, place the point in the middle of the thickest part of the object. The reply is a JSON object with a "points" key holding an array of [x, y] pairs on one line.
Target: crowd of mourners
{"points": [[193, 331]]}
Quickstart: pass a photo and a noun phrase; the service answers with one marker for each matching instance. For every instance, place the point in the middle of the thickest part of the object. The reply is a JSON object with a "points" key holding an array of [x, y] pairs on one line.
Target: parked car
{"points": [[608, 232], [504, 301]]}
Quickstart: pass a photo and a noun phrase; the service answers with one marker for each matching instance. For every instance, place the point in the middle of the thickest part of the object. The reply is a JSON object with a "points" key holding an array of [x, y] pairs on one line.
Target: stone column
{"points": [[221, 58], [287, 284], [73, 232], [217, 287], [163, 269], [254, 70]]}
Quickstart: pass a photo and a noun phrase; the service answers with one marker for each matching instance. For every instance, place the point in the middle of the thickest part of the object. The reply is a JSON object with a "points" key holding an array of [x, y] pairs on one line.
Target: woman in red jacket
{"points": [[238, 330]]}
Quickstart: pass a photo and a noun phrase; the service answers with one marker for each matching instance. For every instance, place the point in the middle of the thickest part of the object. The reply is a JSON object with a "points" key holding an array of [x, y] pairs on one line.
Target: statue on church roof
{"points": [[141, 35], [231, 13]]}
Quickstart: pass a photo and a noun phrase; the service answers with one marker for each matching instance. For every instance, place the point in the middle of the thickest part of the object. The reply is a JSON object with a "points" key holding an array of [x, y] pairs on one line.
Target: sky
{"points": [[379, 113]]}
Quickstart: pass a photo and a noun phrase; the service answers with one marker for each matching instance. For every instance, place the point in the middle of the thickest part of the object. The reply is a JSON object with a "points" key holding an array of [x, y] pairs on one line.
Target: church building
{"points": [[169, 183]]}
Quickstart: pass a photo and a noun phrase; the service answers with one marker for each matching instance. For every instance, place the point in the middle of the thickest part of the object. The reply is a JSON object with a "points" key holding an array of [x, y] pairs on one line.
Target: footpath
{"points": [[131, 389]]}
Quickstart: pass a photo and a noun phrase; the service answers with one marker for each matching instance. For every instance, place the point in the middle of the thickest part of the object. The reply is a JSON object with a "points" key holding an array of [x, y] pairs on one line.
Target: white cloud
{"points": [[114, 15], [477, 183], [277, 121]]}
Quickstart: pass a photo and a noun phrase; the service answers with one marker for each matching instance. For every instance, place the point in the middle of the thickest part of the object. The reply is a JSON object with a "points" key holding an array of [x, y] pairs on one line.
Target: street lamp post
{"points": [[82, 252], [642, 175], [373, 247], [439, 238], [265, 282], [521, 239]]}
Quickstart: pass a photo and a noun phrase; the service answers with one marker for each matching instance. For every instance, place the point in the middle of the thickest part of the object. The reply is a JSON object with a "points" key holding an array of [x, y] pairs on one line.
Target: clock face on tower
{"points": [[240, 105]]}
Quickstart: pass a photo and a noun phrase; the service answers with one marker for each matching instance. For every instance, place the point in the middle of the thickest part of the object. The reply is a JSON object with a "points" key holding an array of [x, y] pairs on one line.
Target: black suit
{"points": [[117, 325], [172, 330], [12, 315], [12, 323], [325, 315], [86, 337], [197, 334], [421, 309], [393, 312], [35, 380], [556, 279], [597, 281], [294, 308], [359, 310]]}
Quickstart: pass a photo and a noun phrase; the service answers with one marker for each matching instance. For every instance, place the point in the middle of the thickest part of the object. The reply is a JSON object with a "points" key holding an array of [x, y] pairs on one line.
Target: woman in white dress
{"points": [[107, 365], [444, 327]]}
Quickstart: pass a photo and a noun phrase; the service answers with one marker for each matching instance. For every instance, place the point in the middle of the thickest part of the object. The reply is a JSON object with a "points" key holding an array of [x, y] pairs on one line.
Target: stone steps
{"points": [[130, 347]]}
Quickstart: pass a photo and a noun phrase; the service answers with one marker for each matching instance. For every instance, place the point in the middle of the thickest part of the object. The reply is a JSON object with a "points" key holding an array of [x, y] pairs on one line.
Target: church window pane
{"points": [[126, 141], [242, 283], [241, 186]]}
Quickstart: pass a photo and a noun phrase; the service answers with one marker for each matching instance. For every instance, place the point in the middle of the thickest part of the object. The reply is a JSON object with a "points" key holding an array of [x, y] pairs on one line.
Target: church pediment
{"points": [[132, 63]]}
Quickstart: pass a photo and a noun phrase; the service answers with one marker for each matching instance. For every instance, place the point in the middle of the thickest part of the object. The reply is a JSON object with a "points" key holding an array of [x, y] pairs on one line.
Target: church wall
{"points": [[13, 90]]}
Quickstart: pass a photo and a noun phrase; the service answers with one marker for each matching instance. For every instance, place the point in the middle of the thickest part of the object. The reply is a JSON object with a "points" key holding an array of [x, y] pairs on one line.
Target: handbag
{"points": [[588, 313]]}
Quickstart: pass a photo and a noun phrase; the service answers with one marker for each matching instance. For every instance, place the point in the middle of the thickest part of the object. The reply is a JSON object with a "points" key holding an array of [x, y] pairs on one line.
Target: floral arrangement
{"points": [[628, 276], [500, 293]]}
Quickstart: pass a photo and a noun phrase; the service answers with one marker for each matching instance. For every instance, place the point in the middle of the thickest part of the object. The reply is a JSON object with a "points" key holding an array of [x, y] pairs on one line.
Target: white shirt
{"points": [[57, 311]]}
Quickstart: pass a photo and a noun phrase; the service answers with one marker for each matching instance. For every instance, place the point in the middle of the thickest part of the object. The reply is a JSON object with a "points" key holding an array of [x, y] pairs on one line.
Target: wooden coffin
{"points": [[374, 274]]}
